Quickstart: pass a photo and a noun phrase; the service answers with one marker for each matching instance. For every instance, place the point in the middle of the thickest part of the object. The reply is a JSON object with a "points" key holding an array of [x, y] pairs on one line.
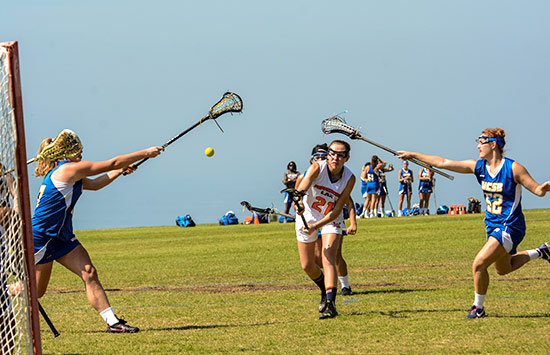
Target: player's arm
{"points": [[352, 229], [364, 172], [522, 176], [459, 166], [389, 168], [78, 170], [305, 183], [337, 209], [101, 181]]}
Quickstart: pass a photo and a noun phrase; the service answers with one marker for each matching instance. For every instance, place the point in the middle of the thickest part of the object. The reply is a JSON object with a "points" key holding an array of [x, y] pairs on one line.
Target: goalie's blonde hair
{"points": [[44, 166]]}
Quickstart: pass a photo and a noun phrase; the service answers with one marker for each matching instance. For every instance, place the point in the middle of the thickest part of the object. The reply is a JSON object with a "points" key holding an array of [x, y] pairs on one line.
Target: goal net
{"points": [[19, 327]]}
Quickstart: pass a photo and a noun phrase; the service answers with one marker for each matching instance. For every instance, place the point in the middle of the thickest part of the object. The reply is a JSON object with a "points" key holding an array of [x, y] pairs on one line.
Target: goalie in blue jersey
{"points": [[65, 176]]}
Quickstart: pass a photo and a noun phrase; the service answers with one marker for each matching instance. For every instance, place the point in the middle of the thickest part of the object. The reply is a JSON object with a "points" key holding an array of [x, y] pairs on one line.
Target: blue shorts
{"points": [[404, 189], [383, 189], [372, 188], [49, 249], [509, 238], [425, 189], [287, 198]]}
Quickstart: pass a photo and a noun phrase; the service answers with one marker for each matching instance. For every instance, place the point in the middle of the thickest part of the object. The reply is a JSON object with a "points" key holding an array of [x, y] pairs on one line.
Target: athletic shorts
{"points": [[334, 227], [425, 189], [50, 249], [372, 188], [287, 198], [404, 189], [509, 238], [383, 189]]}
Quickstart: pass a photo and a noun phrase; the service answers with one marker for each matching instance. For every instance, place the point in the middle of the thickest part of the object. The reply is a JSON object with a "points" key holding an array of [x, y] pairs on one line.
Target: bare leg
{"points": [[330, 250], [78, 261], [307, 259], [43, 274]]}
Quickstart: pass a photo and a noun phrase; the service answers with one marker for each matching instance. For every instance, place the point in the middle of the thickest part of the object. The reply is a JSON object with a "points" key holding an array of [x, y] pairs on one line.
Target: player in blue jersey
{"points": [[501, 179], [405, 188], [383, 190], [425, 189], [53, 235], [369, 174]]}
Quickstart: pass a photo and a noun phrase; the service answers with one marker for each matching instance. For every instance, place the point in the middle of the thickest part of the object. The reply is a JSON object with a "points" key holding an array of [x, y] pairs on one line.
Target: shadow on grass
{"points": [[404, 312], [536, 315], [396, 290], [195, 327]]}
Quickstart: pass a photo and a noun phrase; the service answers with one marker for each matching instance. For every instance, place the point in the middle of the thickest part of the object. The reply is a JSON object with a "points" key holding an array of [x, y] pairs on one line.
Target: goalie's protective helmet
{"points": [[65, 145]]}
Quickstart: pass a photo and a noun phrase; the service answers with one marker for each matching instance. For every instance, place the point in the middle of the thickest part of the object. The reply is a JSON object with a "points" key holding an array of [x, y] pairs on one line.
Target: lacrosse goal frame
{"points": [[12, 130]]}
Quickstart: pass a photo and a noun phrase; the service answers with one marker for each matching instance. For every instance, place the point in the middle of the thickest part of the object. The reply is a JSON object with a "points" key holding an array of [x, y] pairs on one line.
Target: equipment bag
{"points": [[185, 221], [228, 218]]}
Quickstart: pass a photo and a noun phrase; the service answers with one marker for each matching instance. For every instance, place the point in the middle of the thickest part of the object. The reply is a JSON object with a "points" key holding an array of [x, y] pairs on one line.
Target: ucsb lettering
{"points": [[491, 186], [492, 197]]}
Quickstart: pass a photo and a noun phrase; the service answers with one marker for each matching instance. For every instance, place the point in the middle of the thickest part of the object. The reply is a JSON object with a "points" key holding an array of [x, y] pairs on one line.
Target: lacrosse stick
{"points": [[336, 124], [48, 320], [389, 200], [230, 102], [433, 189], [296, 196], [267, 211]]}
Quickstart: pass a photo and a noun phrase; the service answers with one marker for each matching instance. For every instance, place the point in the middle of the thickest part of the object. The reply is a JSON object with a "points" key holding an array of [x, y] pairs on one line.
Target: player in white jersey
{"points": [[53, 235], [501, 180], [319, 153], [327, 186]]}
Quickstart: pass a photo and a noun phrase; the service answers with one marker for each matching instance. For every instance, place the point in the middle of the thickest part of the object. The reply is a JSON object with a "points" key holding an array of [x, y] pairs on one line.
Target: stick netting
{"points": [[15, 328]]}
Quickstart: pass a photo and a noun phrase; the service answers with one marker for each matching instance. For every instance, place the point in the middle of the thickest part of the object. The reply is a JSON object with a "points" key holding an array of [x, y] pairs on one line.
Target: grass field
{"points": [[214, 289]]}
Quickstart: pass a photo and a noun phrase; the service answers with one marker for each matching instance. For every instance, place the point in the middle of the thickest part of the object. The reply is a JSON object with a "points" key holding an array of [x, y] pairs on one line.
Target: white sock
{"points": [[533, 254], [344, 281], [109, 316], [479, 299]]}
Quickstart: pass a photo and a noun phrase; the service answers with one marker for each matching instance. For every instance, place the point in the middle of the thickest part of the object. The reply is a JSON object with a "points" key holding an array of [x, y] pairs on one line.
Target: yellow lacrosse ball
{"points": [[209, 152]]}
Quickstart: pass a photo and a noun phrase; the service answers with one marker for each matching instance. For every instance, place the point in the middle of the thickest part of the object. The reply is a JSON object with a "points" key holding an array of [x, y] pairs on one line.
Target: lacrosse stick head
{"points": [[246, 205], [230, 102], [337, 124], [65, 145]]}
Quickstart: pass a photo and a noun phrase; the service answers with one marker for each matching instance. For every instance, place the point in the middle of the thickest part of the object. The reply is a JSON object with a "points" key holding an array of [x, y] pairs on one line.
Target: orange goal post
{"points": [[19, 323]]}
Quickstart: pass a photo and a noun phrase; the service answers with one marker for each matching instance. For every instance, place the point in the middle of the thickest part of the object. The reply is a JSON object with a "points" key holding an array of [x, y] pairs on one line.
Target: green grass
{"points": [[214, 289]]}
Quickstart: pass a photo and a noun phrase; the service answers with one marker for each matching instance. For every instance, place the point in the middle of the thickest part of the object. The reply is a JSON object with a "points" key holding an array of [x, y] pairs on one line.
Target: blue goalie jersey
{"points": [[502, 194], [53, 215]]}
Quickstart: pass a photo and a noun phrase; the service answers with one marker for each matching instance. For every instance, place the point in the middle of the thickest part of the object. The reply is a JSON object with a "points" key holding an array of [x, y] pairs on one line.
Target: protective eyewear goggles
{"points": [[341, 155], [485, 140], [319, 156]]}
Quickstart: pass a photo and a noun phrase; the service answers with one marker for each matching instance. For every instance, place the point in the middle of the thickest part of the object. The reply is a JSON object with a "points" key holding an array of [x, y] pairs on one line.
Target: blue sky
{"points": [[415, 75]]}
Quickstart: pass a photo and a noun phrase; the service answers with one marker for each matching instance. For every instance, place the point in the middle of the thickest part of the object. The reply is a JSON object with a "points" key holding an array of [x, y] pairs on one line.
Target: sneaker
{"points": [[329, 312], [346, 291], [476, 312], [544, 251], [323, 303], [121, 327]]}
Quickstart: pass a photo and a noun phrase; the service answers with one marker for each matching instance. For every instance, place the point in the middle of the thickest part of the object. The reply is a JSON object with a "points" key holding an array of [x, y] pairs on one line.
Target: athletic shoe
{"points": [[121, 327], [346, 291], [476, 312], [323, 303], [544, 251], [329, 312]]}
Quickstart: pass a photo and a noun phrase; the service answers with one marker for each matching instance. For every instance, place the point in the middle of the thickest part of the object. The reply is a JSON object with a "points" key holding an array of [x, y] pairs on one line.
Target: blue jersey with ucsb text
{"points": [[425, 184], [502, 194], [53, 215]]}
